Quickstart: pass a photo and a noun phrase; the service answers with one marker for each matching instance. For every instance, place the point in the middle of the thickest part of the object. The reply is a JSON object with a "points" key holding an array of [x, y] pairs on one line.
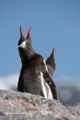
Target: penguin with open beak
{"points": [[34, 76]]}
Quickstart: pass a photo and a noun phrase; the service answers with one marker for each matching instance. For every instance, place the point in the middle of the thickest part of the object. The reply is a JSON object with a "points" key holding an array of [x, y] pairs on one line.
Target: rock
{"points": [[24, 106]]}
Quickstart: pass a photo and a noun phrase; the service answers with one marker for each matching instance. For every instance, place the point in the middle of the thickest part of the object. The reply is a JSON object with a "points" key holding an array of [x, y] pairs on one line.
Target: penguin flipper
{"points": [[53, 89], [52, 85]]}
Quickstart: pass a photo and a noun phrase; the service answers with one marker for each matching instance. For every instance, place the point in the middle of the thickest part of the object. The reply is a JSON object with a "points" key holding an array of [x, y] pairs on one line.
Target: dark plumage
{"points": [[33, 65], [51, 64]]}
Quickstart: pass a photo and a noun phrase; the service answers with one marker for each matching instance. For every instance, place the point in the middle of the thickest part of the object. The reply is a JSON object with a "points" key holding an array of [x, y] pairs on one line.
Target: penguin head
{"points": [[51, 64], [24, 42], [25, 46]]}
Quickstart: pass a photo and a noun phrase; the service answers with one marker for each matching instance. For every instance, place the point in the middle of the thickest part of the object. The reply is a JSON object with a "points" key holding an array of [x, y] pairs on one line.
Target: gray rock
{"points": [[24, 106]]}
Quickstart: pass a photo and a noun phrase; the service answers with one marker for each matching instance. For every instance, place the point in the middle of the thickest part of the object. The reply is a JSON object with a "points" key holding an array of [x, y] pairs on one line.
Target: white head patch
{"points": [[22, 45]]}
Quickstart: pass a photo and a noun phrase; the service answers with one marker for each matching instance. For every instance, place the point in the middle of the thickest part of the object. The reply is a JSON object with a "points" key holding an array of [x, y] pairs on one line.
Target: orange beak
{"points": [[21, 31], [28, 35], [53, 51]]}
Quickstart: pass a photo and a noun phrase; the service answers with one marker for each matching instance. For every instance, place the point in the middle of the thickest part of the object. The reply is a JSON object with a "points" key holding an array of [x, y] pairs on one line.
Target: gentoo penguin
{"points": [[51, 64], [34, 77]]}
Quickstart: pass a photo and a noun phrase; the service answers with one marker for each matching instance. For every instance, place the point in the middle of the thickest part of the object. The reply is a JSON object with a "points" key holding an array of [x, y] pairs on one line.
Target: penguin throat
{"points": [[26, 54], [22, 45]]}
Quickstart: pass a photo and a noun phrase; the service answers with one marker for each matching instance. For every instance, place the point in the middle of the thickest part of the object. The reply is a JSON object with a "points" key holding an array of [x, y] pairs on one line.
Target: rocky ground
{"points": [[23, 106]]}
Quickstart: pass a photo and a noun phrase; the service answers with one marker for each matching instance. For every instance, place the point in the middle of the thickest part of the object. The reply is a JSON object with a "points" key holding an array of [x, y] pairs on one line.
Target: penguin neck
{"points": [[26, 54]]}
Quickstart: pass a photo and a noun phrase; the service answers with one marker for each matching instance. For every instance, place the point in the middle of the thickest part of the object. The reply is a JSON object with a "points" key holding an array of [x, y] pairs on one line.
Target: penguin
{"points": [[34, 77], [51, 63]]}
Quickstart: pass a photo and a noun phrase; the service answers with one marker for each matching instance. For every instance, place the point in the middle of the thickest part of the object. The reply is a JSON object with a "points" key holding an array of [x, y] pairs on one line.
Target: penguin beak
{"points": [[53, 51], [28, 35], [21, 32], [21, 43]]}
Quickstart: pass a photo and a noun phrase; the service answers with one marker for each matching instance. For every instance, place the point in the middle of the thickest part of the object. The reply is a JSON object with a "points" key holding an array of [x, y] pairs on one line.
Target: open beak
{"points": [[53, 51], [28, 35], [21, 32]]}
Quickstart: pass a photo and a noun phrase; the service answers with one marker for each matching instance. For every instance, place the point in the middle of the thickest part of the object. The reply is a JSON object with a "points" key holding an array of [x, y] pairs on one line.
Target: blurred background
{"points": [[55, 24]]}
